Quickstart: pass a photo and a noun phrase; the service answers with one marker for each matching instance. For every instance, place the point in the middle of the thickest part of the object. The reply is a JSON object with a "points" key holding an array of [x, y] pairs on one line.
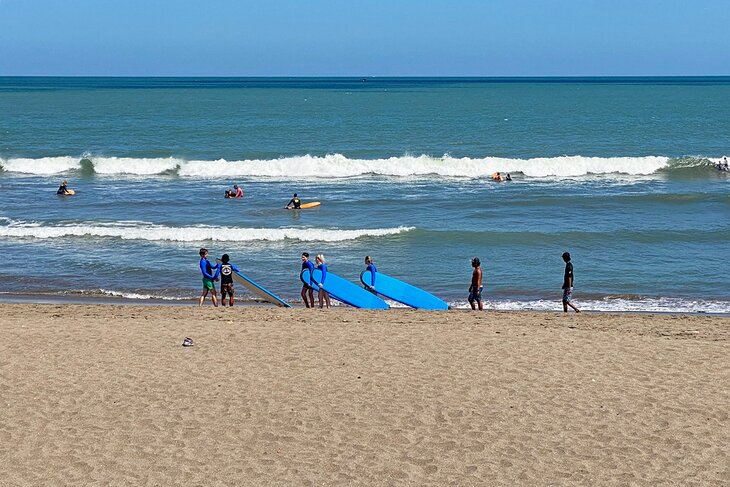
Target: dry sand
{"points": [[106, 395]]}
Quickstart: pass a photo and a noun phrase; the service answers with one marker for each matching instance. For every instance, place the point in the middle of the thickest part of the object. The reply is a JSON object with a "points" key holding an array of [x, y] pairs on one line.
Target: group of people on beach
{"points": [[224, 270]]}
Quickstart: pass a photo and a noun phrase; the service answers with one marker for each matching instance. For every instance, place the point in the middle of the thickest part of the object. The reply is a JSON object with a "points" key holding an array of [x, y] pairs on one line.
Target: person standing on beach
{"points": [[208, 278], [324, 296], [227, 269], [568, 284], [307, 289], [475, 290], [370, 267]]}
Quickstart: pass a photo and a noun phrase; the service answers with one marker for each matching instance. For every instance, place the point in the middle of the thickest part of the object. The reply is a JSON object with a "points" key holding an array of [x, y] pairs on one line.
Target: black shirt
{"points": [[568, 277], [226, 274]]}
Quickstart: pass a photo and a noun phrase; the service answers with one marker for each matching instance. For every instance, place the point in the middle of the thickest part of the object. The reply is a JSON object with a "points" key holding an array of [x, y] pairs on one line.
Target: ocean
{"points": [[617, 171]]}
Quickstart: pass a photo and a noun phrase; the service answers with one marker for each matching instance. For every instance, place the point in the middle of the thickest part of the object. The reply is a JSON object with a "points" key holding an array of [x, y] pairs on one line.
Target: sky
{"points": [[364, 38]]}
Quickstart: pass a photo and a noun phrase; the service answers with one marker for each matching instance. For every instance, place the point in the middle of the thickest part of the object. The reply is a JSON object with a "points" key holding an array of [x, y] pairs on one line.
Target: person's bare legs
{"points": [[305, 296], [202, 297]]}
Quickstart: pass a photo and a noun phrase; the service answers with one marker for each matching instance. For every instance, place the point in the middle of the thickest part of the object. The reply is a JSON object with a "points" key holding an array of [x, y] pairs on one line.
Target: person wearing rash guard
{"points": [[239, 191], [324, 296], [370, 267], [307, 289], [294, 203], [208, 277], [226, 270]]}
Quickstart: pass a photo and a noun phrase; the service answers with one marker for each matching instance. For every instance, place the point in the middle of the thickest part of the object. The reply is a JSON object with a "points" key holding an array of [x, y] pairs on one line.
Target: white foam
{"points": [[150, 232], [140, 167], [339, 166], [643, 305], [42, 166]]}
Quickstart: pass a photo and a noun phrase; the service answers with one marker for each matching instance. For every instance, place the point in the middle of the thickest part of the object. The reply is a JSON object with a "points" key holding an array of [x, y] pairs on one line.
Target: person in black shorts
{"points": [[568, 284], [226, 271]]}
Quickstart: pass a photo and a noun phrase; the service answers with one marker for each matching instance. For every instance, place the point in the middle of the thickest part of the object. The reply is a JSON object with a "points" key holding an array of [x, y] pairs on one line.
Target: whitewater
{"points": [[340, 166]]}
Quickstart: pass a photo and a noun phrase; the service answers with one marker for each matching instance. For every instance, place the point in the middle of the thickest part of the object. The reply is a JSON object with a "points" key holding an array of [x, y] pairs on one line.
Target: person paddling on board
{"points": [[307, 289], [63, 189], [370, 267], [475, 290], [208, 277], [295, 203], [239, 191], [226, 270], [324, 296]]}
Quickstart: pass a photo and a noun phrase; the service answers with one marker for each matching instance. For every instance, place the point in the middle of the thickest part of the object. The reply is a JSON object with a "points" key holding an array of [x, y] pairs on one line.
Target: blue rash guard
{"points": [[323, 268], [207, 269], [308, 265], [373, 271]]}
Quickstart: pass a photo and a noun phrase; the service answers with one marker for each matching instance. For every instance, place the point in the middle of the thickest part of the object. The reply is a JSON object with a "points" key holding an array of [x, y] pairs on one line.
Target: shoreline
{"points": [[93, 300]]}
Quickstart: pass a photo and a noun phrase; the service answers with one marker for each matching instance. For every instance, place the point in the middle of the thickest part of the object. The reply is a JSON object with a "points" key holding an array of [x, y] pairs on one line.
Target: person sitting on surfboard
{"points": [[307, 289], [370, 267], [226, 270], [208, 277], [63, 189], [324, 296], [294, 203]]}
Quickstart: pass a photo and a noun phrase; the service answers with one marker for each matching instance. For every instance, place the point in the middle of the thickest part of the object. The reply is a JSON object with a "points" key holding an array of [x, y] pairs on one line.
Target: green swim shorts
{"points": [[208, 284]]}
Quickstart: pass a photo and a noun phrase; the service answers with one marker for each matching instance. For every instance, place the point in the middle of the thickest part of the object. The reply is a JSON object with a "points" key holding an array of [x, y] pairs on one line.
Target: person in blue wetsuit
{"points": [[370, 267], [324, 296], [209, 276], [307, 289], [226, 270]]}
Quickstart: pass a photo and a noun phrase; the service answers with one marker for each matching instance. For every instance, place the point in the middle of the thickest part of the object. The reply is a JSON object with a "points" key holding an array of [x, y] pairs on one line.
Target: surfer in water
{"points": [[370, 267], [208, 278], [295, 203], [63, 189], [324, 296], [475, 290], [307, 289], [722, 165], [239, 191], [226, 270]]}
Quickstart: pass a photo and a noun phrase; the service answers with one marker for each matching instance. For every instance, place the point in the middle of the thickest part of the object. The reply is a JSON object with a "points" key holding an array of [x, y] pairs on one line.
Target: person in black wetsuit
{"points": [[568, 284], [63, 189], [308, 289], [294, 203], [226, 271]]}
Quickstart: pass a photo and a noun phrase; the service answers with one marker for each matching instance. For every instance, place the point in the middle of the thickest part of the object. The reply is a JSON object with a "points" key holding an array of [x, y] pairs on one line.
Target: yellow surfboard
{"points": [[313, 204]]}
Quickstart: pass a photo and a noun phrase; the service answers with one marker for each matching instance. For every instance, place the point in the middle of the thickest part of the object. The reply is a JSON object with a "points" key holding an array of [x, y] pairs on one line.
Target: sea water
{"points": [[617, 171]]}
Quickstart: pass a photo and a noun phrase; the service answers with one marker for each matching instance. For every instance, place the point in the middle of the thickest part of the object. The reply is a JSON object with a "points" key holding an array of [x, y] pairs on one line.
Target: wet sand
{"points": [[102, 394]]}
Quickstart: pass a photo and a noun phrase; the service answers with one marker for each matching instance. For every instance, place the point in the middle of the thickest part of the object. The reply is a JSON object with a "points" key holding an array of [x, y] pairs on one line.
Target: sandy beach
{"points": [[106, 395]]}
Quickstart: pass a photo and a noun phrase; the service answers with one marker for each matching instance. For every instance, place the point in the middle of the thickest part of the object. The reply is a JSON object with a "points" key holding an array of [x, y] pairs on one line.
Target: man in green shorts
{"points": [[208, 277]]}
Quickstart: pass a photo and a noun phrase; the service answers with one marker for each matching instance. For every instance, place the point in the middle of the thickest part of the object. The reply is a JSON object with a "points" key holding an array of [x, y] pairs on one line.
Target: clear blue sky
{"points": [[364, 37]]}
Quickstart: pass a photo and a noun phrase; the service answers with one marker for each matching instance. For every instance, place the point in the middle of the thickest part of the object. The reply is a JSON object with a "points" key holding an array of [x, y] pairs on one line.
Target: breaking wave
{"points": [[151, 232], [339, 166]]}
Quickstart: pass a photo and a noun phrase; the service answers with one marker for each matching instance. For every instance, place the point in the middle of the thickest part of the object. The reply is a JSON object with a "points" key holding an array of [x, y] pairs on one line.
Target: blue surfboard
{"points": [[345, 291], [258, 290], [403, 292]]}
